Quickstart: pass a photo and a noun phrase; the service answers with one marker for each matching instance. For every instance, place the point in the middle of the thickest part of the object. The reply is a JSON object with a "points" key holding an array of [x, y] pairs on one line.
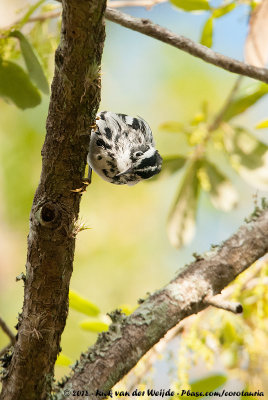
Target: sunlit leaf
{"points": [[126, 309], [242, 103], [15, 85], [172, 164], [181, 221], [207, 33], [191, 5], [262, 125], [208, 384], [223, 194], [63, 360], [230, 334], [248, 156], [198, 135], [245, 397], [199, 117], [33, 65], [256, 46], [202, 386], [221, 11], [172, 126], [82, 305], [94, 325]]}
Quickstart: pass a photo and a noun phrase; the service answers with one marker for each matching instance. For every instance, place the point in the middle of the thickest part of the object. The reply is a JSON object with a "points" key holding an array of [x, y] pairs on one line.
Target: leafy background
{"points": [[211, 178]]}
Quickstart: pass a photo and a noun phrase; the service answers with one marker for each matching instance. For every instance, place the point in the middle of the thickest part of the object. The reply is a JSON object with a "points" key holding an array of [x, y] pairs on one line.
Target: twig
{"points": [[7, 331], [5, 349], [112, 4], [135, 3], [155, 31], [219, 117], [43, 17], [201, 147], [219, 302]]}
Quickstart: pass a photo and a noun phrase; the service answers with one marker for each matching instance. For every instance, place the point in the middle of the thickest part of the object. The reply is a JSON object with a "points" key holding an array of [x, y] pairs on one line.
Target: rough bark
{"points": [[74, 101], [129, 338]]}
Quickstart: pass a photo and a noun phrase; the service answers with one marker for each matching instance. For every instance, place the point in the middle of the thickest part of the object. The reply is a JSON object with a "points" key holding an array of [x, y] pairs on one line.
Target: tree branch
{"points": [[129, 338], [74, 102], [147, 27], [7, 331], [134, 3]]}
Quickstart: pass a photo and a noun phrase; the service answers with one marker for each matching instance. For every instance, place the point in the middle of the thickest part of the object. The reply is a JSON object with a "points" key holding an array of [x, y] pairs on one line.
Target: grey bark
{"points": [[129, 338]]}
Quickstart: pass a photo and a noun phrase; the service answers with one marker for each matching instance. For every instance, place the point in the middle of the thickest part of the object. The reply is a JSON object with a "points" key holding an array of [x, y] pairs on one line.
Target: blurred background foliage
{"points": [[211, 129]]}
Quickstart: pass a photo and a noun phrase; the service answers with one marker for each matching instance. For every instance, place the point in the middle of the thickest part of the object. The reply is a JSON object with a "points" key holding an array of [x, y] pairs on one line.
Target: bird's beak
{"points": [[127, 171]]}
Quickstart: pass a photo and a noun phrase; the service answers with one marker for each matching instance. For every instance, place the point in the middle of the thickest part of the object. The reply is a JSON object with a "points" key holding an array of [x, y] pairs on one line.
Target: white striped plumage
{"points": [[122, 149]]}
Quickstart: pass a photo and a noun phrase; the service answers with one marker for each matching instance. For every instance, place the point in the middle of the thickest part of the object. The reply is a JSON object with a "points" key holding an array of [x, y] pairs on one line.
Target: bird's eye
{"points": [[100, 143], [138, 153]]}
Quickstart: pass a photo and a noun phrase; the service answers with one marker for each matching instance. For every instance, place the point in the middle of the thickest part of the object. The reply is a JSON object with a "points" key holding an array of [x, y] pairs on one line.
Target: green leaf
{"points": [[172, 126], [94, 325], [245, 397], [16, 86], [32, 63], [191, 5], [223, 194], [181, 221], [208, 384], [82, 305], [207, 34], [172, 164], [262, 125], [63, 360], [248, 156], [202, 386], [242, 103], [221, 11]]}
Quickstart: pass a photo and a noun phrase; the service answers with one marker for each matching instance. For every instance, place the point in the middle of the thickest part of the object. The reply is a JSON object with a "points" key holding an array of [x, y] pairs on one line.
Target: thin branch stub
{"points": [[219, 302]]}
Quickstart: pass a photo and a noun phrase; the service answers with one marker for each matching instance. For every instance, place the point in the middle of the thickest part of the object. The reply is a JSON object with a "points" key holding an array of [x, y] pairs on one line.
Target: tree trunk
{"points": [[74, 102]]}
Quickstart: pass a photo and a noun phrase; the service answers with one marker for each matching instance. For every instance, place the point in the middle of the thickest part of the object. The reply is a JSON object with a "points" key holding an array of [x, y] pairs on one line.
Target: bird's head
{"points": [[145, 163]]}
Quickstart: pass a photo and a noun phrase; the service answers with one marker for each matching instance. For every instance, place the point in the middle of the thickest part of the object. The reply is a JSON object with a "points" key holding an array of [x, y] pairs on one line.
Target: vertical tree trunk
{"points": [[74, 102]]}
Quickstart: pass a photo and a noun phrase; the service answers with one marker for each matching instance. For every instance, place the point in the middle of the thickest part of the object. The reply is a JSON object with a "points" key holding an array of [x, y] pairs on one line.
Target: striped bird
{"points": [[122, 149]]}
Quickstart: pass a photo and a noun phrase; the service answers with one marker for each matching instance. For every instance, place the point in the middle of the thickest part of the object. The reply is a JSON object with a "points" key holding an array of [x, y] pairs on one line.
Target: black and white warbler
{"points": [[122, 149]]}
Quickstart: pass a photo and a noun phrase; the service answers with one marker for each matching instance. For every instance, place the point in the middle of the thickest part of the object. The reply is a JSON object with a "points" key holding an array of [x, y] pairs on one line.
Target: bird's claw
{"points": [[83, 188]]}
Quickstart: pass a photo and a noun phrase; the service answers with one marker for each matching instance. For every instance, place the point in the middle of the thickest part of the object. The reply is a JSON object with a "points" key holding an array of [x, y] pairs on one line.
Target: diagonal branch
{"points": [[147, 27], [129, 338]]}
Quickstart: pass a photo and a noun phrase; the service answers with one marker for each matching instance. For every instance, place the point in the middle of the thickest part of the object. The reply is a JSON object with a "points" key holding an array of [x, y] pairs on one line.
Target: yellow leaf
{"points": [[262, 125], [63, 360], [82, 305]]}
